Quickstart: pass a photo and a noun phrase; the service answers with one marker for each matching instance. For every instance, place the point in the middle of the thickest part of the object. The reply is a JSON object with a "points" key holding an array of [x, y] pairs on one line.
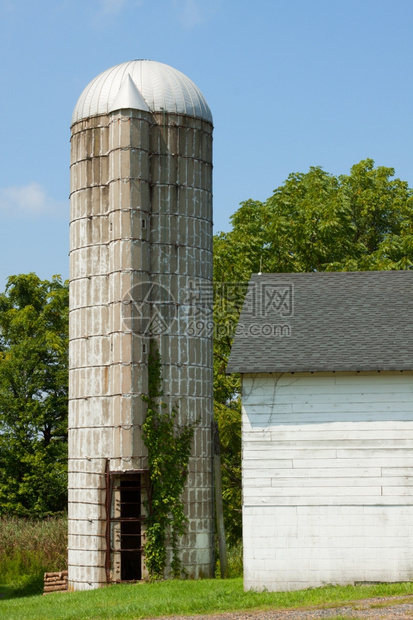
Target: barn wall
{"points": [[327, 479]]}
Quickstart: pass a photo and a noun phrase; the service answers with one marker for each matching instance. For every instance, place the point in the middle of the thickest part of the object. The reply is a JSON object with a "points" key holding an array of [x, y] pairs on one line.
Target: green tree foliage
{"points": [[313, 222], [33, 396]]}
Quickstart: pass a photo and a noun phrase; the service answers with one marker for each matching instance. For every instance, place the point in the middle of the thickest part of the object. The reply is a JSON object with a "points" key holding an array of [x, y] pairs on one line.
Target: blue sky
{"points": [[291, 84]]}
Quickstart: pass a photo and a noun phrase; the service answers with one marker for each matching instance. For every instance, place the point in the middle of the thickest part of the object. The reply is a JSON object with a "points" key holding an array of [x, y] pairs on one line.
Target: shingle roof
{"points": [[341, 321]]}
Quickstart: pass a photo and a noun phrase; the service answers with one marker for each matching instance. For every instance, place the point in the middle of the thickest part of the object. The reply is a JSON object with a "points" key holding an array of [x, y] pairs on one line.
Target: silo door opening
{"points": [[126, 509]]}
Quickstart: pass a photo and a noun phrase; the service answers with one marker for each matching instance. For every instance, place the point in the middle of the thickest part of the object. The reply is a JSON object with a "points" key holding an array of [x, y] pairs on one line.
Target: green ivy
{"points": [[169, 449]]}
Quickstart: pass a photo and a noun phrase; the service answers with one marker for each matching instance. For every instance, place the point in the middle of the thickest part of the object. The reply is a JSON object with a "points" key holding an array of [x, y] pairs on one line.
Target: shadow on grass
{"points": [[27, 585]]}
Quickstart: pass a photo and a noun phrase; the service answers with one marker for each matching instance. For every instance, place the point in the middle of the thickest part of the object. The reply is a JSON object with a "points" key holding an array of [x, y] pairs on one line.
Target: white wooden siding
{"points": [[327, 478]]}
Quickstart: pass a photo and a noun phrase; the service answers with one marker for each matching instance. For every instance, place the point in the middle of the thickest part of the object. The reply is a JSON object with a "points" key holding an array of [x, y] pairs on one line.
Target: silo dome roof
{"points": [[142, 85]]}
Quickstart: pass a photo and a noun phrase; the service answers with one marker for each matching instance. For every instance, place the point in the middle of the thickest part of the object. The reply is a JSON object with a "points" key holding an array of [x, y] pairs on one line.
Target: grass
{"points": [[234, 561], [181, 598], [28, 549]]}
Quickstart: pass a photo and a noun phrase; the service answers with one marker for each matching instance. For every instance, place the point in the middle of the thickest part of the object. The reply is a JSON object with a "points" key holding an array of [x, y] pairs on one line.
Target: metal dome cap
{"points": [[142, 85]]}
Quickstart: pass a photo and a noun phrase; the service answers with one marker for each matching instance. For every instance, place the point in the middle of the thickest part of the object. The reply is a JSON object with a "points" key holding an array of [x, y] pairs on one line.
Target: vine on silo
{"points": [[169, 449]]}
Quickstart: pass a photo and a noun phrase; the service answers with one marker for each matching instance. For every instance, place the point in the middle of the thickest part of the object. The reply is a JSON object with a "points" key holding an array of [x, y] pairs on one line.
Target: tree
{"points": [[33, 396], [315, 221]]}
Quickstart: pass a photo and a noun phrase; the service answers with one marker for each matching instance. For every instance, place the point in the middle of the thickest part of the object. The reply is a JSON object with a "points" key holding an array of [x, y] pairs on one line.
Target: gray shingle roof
{"points": [[340, 321]]}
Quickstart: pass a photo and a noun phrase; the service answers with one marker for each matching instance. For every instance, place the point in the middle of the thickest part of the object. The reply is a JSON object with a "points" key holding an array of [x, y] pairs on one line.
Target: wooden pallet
{"points": [[55, 582]]}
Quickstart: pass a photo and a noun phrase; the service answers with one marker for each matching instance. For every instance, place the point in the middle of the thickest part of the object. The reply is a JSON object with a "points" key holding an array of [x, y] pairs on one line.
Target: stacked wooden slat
{"points": [[55, 582]]}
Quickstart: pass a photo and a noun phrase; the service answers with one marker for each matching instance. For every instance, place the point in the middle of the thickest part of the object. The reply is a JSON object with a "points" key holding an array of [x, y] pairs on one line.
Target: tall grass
{"points": [[235, 566], [28, 549], [234, 557]]}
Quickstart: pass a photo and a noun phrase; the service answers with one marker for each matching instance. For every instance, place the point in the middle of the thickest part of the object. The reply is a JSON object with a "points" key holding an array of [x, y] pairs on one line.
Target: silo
{"points": [[140, 270]]}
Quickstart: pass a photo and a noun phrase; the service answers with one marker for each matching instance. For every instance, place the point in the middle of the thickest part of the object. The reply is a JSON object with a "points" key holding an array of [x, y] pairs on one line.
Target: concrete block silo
{"points": [[141, 267]]}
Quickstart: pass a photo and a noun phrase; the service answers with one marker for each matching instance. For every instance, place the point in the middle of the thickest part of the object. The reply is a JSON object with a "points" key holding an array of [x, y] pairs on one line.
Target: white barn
{"points": [[327, 373]]}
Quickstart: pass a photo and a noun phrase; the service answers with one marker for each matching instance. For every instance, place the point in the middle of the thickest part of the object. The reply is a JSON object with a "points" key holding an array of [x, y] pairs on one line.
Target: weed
{"points": [[29, 548]]}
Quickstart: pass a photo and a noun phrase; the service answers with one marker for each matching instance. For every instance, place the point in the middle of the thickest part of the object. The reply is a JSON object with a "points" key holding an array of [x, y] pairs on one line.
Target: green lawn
{"points": [[150, 600]]}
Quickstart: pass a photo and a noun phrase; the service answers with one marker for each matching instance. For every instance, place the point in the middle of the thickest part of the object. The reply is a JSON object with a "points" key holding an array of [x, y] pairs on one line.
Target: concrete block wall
{"points": [[141, 212], [181, 260], [327, 479]]}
